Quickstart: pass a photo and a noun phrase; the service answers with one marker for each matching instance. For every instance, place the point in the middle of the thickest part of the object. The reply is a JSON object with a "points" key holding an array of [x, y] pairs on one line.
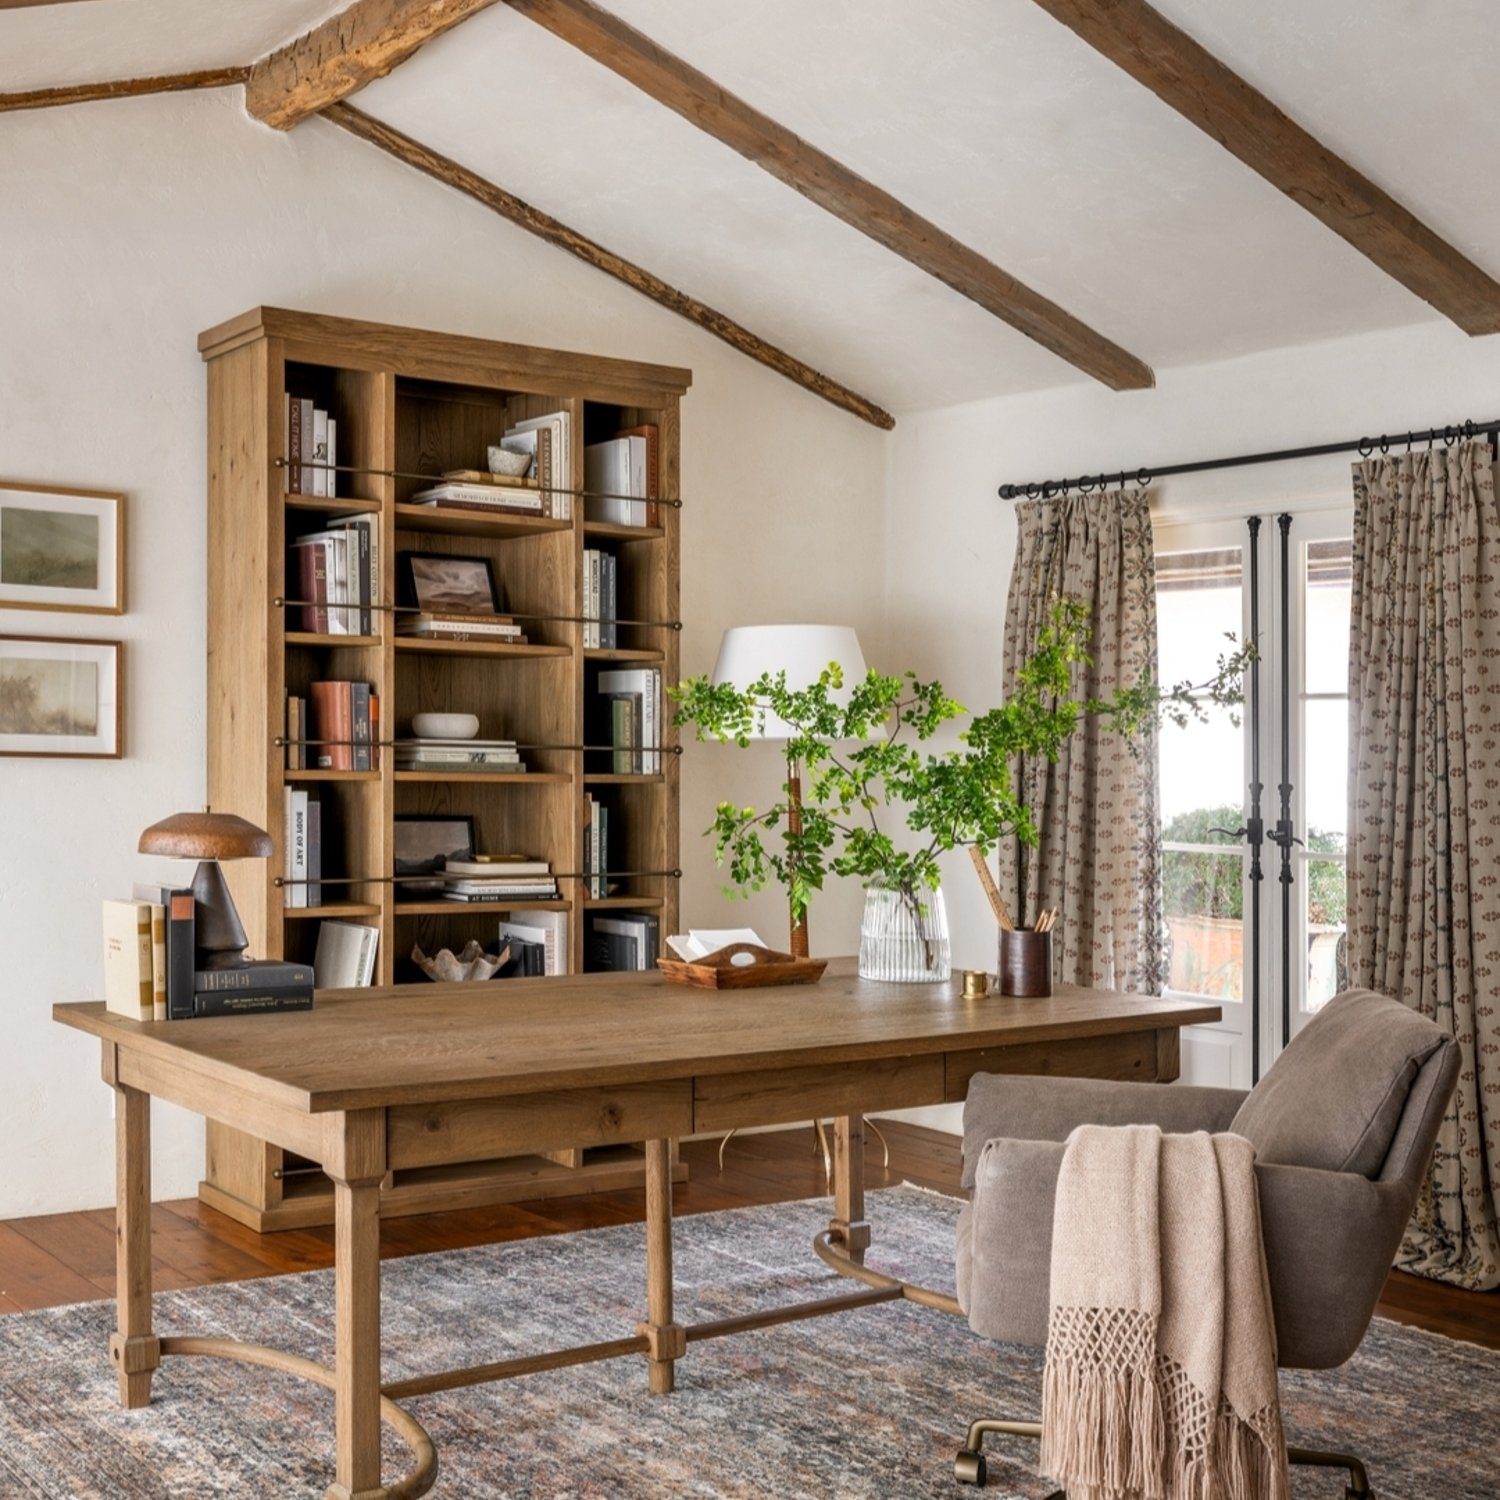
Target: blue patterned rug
{"points": [[864, 1404]]}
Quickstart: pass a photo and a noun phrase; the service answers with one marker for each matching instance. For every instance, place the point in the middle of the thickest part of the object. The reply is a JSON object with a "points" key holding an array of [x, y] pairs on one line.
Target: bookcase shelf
{"points": [[411, 403]]}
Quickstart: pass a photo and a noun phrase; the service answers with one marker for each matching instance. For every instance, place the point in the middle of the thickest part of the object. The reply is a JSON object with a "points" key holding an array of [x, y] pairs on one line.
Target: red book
{"points": [[312, 584], [333, 723]]}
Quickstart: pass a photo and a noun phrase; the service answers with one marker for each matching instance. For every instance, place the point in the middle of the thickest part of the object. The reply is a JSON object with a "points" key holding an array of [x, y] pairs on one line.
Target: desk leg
{"points": [[668, 1340], [134, 1350], [848, 1223], [356, 1231]]}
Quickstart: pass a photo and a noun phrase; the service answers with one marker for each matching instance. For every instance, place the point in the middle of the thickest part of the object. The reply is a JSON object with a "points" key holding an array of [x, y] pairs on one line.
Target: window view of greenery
{"points": [[1205, 907]]}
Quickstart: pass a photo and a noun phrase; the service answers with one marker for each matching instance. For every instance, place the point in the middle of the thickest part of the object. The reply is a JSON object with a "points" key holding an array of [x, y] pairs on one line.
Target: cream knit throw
{"points": [[1161, 1349]]}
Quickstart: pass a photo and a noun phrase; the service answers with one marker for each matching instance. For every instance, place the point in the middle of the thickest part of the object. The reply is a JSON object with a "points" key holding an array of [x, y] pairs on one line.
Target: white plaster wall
{"points": [[950, 540], [125, 229]]}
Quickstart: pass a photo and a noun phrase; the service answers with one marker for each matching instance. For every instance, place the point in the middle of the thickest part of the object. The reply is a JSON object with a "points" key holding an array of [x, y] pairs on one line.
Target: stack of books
{"points": [[498, 878], [336, 728], [627, 716], [265, 984], [335, 573], [622, 478], [310, 442], [419, 754], [470, 489], [302, 846], [600, 598], [538, 946], [460, 626], [596, 848], [548, 442], [627, 942]]}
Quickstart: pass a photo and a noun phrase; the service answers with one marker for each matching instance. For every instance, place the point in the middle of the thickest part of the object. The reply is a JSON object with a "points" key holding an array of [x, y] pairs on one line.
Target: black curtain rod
{"points": [[1048, 489]]}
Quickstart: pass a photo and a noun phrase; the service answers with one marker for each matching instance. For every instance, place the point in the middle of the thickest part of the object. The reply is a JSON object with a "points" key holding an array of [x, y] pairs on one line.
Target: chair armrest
{"points": [[1050, 1109]]}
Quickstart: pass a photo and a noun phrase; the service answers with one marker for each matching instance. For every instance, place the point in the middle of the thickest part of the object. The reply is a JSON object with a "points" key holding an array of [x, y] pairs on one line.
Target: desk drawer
{"points": [[1130, 1056], [426, 1135], [776, 1096]]}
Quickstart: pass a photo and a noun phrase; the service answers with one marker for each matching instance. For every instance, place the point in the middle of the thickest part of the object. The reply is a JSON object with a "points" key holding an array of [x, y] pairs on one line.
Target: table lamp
{"points": [[209, 837], [803, 652]]}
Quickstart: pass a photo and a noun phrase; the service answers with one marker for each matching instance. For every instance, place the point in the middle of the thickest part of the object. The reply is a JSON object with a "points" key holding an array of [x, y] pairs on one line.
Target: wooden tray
{"points": [[714, 971]]}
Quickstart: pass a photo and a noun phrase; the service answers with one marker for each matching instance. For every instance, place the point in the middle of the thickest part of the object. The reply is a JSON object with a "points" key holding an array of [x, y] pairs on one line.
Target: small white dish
{"points": [[445, 726]]}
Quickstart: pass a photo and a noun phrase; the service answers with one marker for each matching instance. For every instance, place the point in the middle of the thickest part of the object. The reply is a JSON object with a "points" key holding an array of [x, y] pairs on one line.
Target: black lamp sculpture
{"points": [[209, 837]]}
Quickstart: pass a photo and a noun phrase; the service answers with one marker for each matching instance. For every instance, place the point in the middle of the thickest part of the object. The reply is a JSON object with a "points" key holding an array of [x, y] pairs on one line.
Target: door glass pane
{"points": [[1204, 906], [1325, 645], [1327, 960], [1199, 603], [1326, 757]]}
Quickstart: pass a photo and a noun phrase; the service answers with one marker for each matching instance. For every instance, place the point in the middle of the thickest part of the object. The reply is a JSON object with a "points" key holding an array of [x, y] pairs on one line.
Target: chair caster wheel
{"points": [[970, 1468]]}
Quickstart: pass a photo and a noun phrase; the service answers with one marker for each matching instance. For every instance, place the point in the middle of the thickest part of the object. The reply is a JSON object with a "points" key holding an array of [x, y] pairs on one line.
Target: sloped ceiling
{"points": [[986, 116]]}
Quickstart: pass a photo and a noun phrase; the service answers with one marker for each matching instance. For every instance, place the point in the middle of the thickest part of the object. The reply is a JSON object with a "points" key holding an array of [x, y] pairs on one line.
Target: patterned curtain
{"points": [[1099, 857], [1424, 794]]}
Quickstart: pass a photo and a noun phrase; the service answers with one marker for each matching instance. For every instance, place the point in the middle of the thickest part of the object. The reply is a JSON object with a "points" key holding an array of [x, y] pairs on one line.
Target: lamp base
{"points": [[219, 935]]}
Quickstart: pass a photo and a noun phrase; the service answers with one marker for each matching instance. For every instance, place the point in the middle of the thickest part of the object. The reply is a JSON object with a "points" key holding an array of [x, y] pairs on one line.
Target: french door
{"points": [[1253, 802]]}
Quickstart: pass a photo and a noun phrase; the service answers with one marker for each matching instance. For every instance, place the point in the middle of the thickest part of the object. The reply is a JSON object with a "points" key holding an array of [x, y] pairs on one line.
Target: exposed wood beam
{"points": [[1218, 101], [122, 88], [832, 186], [27, 4], [508, 206], [344, 53]]}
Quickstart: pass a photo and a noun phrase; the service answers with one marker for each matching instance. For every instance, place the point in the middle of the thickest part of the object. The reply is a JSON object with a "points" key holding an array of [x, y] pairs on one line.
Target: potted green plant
{"points": [[861, 752]]}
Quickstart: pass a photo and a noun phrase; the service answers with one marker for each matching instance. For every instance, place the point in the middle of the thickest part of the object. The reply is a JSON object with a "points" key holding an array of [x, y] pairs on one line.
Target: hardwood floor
{"points": [[61, 1258]]}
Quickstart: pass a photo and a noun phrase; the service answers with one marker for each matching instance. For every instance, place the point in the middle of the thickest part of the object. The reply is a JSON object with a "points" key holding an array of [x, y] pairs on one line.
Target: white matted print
{"points": [[61, 697], [62, 549]]}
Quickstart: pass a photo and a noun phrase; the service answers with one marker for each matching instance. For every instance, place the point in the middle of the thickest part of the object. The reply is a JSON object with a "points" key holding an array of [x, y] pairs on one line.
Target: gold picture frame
{"points": [[62, 697], [62, 549]]}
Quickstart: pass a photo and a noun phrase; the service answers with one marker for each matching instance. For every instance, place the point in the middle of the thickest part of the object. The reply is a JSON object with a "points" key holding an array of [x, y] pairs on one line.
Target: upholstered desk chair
{"points": [[1344, 1124]]}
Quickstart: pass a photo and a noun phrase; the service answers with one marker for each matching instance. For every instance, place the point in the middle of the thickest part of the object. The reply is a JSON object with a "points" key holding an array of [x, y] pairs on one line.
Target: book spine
{"points": [[359, 714], [294, 446], [297, 892], [320, 451], [181, 952], [314, 854], [306, 485], [331, 488], [374, 732], [557, 505], [337, 550], [263, 978], [158, 962], [611, 600], [238, 1003]]}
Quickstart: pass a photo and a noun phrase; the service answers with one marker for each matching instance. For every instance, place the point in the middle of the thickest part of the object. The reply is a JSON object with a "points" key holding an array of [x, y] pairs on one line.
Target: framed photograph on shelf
{"points": [[446, 583], [61, 698], [62, 549], [424, 843]]}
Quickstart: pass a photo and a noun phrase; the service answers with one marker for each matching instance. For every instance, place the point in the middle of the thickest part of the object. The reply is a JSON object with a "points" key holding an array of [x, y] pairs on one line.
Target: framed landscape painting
{"points": [[62, 549], [61, 697]]}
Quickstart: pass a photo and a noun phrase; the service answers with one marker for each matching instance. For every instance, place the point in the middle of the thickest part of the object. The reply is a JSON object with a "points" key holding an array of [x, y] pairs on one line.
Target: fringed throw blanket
{"points": [[1161, 1349]]}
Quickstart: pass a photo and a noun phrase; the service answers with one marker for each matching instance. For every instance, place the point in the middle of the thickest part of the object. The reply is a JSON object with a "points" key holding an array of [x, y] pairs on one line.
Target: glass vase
{"points": [[904, 936]]}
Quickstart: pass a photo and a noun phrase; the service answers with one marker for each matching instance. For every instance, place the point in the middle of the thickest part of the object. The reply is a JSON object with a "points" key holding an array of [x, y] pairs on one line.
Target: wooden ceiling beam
{"points": [[834, 187], [122, 88], [347, 51], [1185, 75], [442, 169]]}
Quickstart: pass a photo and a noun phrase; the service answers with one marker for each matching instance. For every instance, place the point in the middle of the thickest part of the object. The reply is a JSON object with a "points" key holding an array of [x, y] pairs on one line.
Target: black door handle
{"points": [[1231, 833]]}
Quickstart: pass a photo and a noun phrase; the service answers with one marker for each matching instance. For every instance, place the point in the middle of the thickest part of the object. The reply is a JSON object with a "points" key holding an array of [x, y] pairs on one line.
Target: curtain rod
{"points": [[1048, 489]]}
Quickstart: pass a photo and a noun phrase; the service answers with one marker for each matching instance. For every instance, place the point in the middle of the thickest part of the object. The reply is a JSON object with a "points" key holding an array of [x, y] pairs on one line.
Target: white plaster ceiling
{"points": [[984, 115]]}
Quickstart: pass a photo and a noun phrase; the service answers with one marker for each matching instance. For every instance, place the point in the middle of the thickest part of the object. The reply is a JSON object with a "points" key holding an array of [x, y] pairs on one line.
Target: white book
{"points": [[454, 490], [331, 489], [606, 478], [699, 942], [307, 446], [320, 451], [345, 956], [299, 849], [559, 423]]}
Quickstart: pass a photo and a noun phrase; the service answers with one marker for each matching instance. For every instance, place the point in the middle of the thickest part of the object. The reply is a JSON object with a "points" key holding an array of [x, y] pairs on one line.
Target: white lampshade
{"points": [[803, 652]]}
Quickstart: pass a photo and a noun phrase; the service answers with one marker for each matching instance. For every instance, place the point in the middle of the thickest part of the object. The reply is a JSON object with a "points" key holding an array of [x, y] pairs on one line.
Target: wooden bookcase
{"points": [[411, 404]]}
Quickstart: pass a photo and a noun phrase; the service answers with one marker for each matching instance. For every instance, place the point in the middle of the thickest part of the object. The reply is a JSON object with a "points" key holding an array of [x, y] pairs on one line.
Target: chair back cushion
{"points": [[1334, 1098]]}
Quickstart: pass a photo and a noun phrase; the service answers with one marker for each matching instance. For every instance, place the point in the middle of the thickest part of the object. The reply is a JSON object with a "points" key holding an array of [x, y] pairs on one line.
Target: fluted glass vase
{"points": [[904, 936]]}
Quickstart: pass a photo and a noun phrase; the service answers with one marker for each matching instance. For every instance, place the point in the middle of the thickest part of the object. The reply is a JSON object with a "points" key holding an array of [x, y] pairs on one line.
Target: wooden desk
{"points": [[371, 1081]]}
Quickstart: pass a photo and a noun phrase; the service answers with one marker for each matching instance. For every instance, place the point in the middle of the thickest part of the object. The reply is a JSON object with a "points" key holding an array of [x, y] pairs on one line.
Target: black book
{"points": [[527, 960], [181, 945], [247, 1003], [359, 693], [261, 976]]}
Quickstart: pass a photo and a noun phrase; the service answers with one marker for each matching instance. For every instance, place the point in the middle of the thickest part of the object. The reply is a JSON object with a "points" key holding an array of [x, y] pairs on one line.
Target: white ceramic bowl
{"points": [[445, 726], [513, 465]]}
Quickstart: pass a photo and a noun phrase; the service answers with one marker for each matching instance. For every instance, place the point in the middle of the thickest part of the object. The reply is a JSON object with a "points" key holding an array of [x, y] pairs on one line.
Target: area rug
{"points": [[864, 1404]]}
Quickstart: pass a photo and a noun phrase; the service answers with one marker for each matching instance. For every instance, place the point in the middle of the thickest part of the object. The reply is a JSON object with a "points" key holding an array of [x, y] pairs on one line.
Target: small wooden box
{"points": [[716, 971]]}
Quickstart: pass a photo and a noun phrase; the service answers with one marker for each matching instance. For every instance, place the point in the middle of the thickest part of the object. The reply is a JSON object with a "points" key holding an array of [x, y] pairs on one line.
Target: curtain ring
{"points": [[1469, 428], [1085, 484], [1385, 446], [1366, 447], [1031, 490], [1142, 477], [1450, 436], [1408, 440]]}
